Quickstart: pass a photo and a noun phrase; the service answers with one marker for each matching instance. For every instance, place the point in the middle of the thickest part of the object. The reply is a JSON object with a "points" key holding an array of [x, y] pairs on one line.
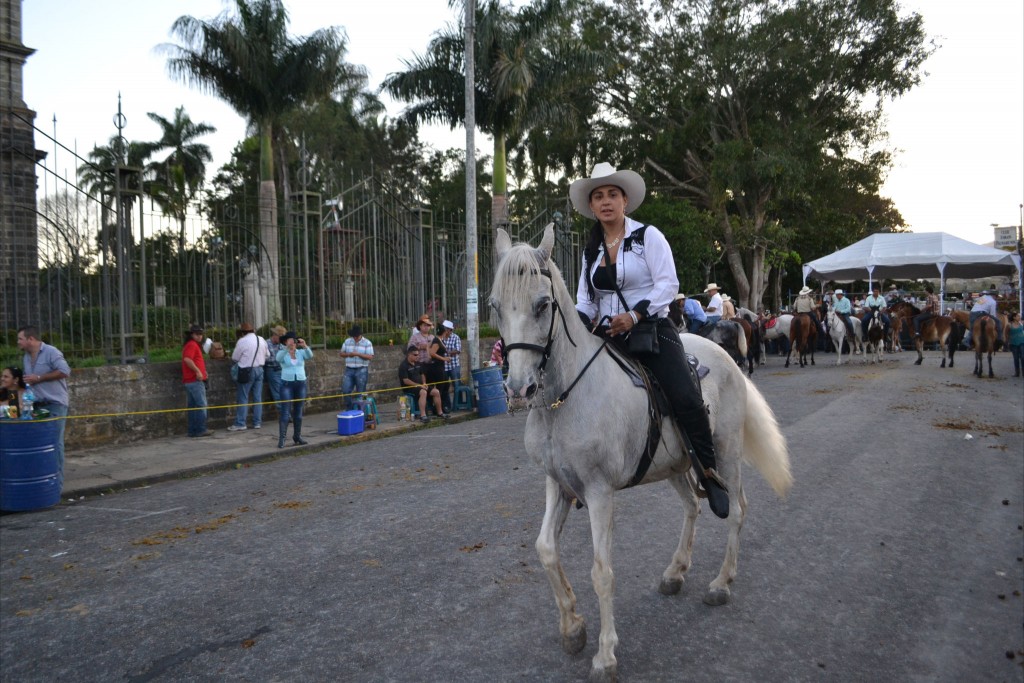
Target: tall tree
{"points": [[249, 60], [177, 178], [746, 103], [522, 78]]}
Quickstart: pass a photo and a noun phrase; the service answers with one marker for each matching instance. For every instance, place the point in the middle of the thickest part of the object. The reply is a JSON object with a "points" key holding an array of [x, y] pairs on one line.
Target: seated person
{"points": [[411, 379], [872, 302], [12, 386], [843, 308]]}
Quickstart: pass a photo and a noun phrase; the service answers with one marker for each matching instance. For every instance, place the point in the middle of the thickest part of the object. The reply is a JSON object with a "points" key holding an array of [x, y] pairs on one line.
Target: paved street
{"points": [[896, 557]]}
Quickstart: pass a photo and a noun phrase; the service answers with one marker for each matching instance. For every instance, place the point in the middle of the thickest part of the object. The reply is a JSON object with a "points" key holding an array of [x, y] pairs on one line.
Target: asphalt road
{"points": [[896, 557]]}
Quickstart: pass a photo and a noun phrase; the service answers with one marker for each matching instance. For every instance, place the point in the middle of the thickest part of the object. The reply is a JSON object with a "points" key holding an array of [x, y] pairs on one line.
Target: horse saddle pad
{"points": [[770, 323]]}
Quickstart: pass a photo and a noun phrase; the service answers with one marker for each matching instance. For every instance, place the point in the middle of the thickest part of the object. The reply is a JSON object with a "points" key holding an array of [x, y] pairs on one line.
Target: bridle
{"points": [[545, 350]]}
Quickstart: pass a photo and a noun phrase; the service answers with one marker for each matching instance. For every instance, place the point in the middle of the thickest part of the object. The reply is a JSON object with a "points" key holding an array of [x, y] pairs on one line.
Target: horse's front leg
{"points": [[601, 506], [570, 624]]}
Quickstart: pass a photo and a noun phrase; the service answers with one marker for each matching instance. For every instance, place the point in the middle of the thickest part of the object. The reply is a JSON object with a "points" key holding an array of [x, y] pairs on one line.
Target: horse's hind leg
{"points": [[990, 374], [600, 505], [571, 625], [718, 592], [674, 575]]}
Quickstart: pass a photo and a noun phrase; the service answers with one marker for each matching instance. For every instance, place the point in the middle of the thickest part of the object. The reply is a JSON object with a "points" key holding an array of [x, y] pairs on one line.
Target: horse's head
{"points": [[525, 299]]}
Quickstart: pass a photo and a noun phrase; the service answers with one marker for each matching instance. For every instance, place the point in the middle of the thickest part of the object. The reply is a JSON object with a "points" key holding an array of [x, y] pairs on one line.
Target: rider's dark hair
{"points": [[590, 250]]}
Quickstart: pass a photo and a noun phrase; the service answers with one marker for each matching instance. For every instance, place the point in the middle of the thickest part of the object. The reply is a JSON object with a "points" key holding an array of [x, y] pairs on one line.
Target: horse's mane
{"points": [[518, 275]]}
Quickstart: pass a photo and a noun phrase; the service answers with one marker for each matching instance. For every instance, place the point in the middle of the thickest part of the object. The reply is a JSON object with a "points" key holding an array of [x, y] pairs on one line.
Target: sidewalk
{"points": [[108, 469]]}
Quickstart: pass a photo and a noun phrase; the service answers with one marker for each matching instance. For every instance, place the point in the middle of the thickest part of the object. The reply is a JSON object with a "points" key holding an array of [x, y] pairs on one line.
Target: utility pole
{"points": [[472, 262]]}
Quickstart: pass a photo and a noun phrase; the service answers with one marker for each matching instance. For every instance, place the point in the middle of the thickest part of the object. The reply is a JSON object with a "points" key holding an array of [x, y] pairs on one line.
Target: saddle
{"points": [[658, 405], [770, 323]]}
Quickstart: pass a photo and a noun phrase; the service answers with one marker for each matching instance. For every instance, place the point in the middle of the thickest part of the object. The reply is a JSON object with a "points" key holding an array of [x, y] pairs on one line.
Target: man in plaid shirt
{"points": [[453, 345]]}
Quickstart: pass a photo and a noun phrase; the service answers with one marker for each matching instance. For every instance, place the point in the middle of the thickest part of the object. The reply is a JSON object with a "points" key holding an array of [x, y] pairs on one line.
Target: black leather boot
{"points": [[297, 432], [282, 431], [697, 429]]}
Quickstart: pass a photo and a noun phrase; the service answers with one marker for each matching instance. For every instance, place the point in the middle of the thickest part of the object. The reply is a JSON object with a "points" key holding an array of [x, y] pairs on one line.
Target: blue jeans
{"points": [[354, 383], [254, 387], [455, 374], [272, 378], [695, 325], [57, 410], [1017, 351], [295, 389], [195, 393]]}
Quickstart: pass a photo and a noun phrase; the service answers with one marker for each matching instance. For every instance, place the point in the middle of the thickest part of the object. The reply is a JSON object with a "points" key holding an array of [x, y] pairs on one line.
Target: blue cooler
{"points": [[351, 422]]}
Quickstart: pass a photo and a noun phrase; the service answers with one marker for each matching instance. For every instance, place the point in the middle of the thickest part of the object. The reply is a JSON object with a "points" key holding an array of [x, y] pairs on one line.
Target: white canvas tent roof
{"points": [[911, 255]]}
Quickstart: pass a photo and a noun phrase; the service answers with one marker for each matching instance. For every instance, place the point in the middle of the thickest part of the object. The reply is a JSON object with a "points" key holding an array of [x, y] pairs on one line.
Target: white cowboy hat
{"points": [[679, 296], [605, 174], [804, 290], [839, 291], [711, 286], [726, 297]]}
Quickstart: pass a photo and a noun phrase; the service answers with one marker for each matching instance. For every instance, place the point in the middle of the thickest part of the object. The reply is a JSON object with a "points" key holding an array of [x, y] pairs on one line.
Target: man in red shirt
{"points": [[193, 375]]}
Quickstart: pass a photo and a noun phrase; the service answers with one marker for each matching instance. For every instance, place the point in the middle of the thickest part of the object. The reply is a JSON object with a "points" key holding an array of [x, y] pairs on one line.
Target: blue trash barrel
{"points": [[490, 391], [29, 473]]}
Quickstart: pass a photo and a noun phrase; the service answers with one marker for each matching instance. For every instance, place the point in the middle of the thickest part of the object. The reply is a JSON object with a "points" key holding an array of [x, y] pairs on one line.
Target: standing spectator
{"points": [[293, 359], [47, 372], [421, 337], [12, 384], [250, 352], [357, 351], [410, 378], [453, 346], [714, 307], [194, 377], [272, 369], [1016, 330], [435, 374], [728, 309]]}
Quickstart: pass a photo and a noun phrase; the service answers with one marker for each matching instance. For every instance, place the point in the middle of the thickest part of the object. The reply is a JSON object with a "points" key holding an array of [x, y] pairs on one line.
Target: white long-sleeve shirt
{"points": [[644, 271]]}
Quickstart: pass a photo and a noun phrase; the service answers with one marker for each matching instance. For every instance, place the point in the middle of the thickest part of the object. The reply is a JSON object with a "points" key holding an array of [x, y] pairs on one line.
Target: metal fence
{"points": [[120, 280]]}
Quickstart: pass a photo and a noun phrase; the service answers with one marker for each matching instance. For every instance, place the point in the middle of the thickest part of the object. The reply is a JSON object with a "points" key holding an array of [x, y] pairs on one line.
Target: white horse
{"points": [[779, 330], [837, 332], [588, 429]]}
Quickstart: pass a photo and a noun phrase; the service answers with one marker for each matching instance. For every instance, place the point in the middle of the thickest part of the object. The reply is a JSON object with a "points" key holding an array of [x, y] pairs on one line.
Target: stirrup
{"points": [[712, 473]]}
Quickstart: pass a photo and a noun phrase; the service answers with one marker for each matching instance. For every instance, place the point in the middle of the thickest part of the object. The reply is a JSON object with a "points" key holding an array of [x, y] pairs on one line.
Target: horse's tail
{"points": [[741, 343], [764, 446]]}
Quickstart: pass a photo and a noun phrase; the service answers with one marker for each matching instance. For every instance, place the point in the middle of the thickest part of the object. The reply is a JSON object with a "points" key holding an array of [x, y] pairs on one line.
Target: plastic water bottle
{"points": [[402, 409], [27, 400]]}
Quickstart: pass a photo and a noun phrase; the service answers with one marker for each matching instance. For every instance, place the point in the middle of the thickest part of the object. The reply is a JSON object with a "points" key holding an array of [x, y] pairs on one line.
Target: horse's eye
{"points": [[542, 306]]}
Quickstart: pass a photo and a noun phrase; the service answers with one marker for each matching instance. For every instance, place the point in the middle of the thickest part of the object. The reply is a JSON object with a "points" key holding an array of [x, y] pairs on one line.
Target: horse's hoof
{"points": [[574, 642], [716, 597], [606, 675], [917, 362], [670, 586]]}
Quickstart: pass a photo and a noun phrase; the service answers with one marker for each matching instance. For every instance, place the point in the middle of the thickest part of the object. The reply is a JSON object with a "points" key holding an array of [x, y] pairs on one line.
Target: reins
{"points": [[545, 350]]}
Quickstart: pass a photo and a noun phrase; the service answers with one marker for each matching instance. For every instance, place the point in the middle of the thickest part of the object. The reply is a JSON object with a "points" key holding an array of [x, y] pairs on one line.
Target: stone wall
{"points": [[113, 404]]}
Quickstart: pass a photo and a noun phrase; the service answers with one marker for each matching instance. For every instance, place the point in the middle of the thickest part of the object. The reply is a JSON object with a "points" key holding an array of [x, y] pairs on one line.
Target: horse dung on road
{"points": [[588, 428]]}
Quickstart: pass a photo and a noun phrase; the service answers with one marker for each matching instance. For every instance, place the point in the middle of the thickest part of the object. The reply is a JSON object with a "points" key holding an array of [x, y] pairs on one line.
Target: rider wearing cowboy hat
{"points": [[714, 307], [872, 302], [804, 303], [843, 308], [628, 277]]}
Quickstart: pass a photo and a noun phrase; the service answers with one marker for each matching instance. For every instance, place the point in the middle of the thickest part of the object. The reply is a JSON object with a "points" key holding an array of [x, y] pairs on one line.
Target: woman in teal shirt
{"points": [[293, 359]]}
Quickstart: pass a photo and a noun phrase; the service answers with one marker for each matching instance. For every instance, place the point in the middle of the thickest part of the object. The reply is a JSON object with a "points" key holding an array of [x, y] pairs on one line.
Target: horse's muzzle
{"points": [[525, 392]]}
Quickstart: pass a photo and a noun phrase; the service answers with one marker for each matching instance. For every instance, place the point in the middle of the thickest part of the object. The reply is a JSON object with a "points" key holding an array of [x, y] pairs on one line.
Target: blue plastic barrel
{"points": [[29, 472], [490, 391]]}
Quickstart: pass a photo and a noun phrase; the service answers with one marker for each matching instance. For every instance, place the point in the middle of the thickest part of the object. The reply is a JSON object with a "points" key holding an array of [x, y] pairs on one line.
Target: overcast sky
{"points": [[959, 136]]}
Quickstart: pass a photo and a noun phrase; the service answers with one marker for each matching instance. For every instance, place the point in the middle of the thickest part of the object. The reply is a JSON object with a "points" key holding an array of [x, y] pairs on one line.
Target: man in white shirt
{"points": [[251, 351], [714, 307], [985, 305]]}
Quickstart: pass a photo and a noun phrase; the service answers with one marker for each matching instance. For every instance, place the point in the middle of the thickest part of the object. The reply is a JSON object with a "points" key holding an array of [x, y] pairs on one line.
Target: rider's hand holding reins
{"points": [[620, 324]]}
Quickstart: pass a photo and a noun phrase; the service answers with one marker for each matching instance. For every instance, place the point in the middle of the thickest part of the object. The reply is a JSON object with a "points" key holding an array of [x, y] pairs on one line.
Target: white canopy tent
{"points": [[912, 255]]}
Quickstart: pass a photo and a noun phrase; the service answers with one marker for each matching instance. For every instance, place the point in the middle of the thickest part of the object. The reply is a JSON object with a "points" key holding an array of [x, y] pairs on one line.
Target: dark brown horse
{"points": [[802, 336], [943, 330], [984, 336]]}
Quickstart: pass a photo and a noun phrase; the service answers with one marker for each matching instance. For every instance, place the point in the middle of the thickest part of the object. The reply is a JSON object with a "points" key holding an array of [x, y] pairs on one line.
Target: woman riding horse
{"points": [[628, 277]]}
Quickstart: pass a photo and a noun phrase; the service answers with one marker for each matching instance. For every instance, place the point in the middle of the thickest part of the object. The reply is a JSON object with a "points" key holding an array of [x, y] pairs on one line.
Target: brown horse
{"points": [[965, 318], [802, 337], [895, 327], [943, 330], [984, 335]]}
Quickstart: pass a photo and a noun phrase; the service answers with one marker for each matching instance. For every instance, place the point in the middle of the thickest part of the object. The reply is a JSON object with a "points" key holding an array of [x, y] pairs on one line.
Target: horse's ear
{"points": [[502, 243], [546, 243]]}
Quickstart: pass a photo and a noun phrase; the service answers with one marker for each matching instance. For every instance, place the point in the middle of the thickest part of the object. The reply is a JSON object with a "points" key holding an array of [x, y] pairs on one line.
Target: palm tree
{"points": [[250, 62], [177, 179], [99, 179], [522, 78]]}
